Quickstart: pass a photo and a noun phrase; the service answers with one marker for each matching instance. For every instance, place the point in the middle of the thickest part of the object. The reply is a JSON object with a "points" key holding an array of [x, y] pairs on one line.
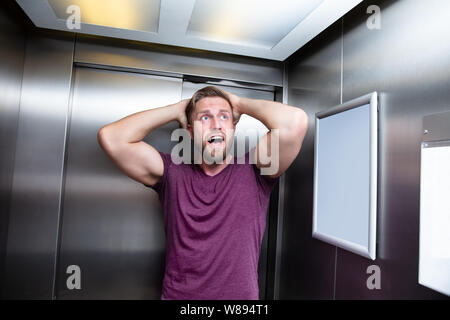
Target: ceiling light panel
{"points": [[257, 28], [141, 15], [257, 23]]}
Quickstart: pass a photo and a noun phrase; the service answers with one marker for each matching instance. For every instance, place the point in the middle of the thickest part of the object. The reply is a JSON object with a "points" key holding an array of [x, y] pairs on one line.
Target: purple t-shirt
{"points": [[214, 227]]}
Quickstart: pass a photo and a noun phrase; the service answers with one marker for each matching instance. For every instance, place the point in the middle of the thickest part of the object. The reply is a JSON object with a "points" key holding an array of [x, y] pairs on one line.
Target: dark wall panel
{"points": [[407, 62], [12, 40], [38, 163], [307, 265]]}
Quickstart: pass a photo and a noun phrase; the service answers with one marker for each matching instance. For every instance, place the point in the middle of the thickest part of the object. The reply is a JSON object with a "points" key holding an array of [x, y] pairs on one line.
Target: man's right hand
{"points": [[182, 112], [123, 142]]}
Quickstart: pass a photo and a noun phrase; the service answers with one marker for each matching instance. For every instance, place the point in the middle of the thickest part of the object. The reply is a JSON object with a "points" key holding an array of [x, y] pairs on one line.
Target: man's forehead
{"points": [[212, 103]]}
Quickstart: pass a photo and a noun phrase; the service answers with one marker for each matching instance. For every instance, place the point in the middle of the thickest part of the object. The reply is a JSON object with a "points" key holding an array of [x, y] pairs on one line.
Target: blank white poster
{"points": [[343, 175], [434, 257]]}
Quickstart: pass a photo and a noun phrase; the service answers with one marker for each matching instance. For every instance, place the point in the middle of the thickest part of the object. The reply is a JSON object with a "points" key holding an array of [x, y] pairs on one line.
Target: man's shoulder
{"points": [[176, 163]]}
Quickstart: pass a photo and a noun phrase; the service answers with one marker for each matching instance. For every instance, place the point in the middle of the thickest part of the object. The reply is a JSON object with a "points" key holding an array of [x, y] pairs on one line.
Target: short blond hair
{"points": [[209, 91]]}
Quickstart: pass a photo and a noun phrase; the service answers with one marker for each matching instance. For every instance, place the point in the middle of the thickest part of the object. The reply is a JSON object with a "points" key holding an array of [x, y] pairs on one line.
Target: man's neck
{"points": [[215, 168]]}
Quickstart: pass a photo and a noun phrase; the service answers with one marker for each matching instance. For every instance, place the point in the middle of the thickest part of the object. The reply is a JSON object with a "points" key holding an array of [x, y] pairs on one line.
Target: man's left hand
{"points": [[234, 99]]}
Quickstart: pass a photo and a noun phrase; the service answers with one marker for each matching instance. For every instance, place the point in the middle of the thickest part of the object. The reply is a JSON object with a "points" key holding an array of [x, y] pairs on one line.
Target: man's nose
{"points": [[216, 123]]}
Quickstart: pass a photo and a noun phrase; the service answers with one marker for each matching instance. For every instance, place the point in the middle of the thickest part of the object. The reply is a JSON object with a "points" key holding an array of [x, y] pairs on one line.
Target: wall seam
{"points": [[281, 201], [340, 98], [342, 59], [63, 179]]}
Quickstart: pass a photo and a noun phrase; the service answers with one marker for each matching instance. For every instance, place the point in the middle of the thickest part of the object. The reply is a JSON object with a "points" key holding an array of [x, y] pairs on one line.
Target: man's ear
{"points": [[236, 117], [189, 129]]}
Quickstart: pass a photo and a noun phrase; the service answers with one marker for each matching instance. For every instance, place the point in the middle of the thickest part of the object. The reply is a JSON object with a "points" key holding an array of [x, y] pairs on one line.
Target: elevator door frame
{"points": [[272, 228]]}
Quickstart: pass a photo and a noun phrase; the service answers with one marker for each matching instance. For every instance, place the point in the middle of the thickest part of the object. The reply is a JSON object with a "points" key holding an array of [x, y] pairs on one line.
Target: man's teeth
{"points": [[215, 139]]}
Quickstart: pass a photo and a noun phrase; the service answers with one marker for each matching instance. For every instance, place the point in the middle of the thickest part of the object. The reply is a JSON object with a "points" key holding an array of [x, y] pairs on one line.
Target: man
{"points": [[214, 211]]}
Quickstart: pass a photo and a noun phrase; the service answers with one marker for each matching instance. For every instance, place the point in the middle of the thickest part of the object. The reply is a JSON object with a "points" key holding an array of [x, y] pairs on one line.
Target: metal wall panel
{"points": [[307, 264], [406, 61], [126, 54], [12, 39], [275, 231], [112, 226], [33, 222]]}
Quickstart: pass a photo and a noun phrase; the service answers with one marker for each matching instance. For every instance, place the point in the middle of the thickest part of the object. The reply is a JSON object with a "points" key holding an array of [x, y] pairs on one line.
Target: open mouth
{"points": [[215, 139]]}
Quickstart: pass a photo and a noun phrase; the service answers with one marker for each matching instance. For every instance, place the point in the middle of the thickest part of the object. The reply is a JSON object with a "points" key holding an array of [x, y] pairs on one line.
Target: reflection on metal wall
{"points": [[33, 221], [307, 264], [139, 56], [407, 62], [112, 226], [12, 53]]}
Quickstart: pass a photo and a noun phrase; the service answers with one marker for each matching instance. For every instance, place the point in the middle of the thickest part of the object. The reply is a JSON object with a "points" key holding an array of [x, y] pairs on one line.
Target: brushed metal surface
{"points": [[12, 53], [407, 62], [307, 264], [38, 164], [436, 126], [112, 226], [113, 52], [275, 243]]}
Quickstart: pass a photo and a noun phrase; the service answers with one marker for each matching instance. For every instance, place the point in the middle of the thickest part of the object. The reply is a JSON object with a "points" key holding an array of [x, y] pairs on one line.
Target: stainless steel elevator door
{"points": [[111, 226]]}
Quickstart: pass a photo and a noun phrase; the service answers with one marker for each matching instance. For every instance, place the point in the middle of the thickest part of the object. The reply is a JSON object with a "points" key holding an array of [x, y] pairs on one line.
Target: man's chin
{"points": [[216, 155]]}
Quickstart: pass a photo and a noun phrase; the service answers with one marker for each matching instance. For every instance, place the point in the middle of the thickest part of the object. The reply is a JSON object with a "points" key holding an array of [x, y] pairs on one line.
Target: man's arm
{"points": [[122, 141], [291, 122]]}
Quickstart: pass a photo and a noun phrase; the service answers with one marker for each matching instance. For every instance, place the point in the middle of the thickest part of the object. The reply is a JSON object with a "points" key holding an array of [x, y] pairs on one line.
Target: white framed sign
{"points": [[345, 175], [434, 244]]}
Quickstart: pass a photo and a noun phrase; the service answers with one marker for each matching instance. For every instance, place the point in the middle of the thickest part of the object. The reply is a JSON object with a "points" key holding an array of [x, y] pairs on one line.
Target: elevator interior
{"points": [[63, 203], [84, 211]]}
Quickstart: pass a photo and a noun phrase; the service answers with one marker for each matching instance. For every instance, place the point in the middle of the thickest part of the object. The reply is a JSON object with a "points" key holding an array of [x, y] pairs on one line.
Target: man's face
{"points": [[212, 120]]}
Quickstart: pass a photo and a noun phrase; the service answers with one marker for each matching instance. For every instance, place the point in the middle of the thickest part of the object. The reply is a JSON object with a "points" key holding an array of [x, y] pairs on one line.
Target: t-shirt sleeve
{"points": [[265, 182], [162, 181]]}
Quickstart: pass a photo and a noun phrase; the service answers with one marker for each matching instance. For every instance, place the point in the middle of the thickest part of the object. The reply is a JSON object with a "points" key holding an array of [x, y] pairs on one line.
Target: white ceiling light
{"points": [[258, 28], [250, 22], [140, 15]]}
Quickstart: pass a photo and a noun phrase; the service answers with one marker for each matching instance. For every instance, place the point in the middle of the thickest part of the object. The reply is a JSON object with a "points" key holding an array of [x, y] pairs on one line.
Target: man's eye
{"points": [[204, 117], [224, 117]]}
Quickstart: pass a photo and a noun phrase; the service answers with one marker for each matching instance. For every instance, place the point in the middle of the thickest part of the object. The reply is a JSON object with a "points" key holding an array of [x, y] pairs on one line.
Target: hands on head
{"points": [[234, 100], [182, 119]]}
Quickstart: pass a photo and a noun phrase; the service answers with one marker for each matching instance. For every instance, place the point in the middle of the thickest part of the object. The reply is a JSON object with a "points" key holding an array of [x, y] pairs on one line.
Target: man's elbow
{"points": [[302, 124], [104, 138], [299, 124]]}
